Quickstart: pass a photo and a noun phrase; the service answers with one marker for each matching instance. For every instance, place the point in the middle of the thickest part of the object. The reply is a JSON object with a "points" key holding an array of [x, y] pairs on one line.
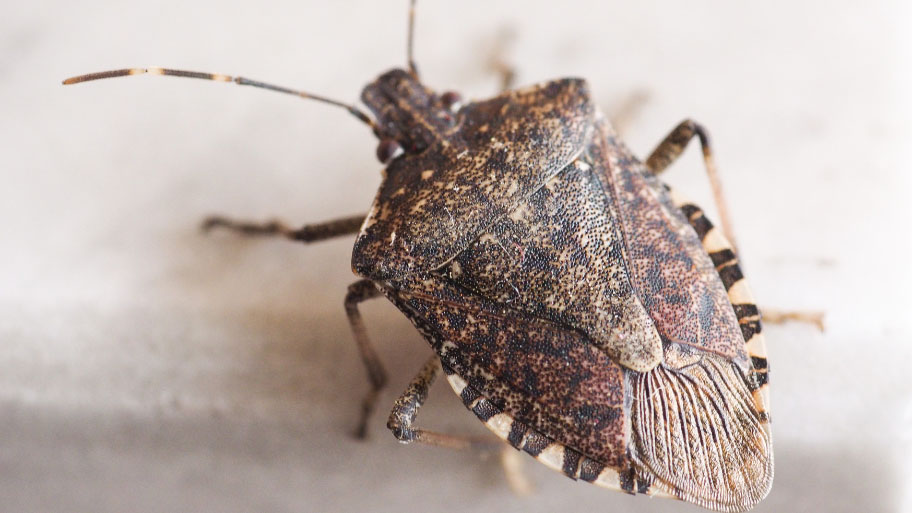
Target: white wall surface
{"points": [[144, 367]]}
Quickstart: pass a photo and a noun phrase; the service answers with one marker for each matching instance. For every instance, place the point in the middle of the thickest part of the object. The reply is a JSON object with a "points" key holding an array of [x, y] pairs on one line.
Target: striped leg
{"points": [[405, 411], [307, 233], [671, 148], [358, 292]]}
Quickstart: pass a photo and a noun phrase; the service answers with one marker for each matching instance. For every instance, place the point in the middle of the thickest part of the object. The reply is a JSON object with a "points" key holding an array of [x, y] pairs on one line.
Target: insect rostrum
{"points": [[582, 311]]}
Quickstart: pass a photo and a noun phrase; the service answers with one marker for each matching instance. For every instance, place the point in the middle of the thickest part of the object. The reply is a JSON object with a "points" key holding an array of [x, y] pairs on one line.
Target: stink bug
{"points": [[584, 313]]}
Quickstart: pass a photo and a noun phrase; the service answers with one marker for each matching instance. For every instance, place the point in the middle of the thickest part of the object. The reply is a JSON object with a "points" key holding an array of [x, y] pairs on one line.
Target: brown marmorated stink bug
{"points": [[586, 314]]}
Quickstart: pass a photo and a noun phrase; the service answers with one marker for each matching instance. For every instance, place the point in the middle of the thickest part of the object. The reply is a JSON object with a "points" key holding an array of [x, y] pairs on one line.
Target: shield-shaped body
{"points": [[579, 310]]}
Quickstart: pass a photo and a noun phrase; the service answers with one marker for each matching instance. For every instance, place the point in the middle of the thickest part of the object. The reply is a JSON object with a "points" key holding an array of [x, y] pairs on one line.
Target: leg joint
{"points": [[358, 292], [694, 128], [403, 432]]}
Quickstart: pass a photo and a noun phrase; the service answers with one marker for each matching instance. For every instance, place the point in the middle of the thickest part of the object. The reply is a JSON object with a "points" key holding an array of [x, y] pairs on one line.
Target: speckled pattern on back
{"points": [[582, 314], [489, 157]]}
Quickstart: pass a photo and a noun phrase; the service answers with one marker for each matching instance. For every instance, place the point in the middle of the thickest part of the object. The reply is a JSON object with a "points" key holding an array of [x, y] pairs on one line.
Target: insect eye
{"points": [[388, 149], [452, 100]]}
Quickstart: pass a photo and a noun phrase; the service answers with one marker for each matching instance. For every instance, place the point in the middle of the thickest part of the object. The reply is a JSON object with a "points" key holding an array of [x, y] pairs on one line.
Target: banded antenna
{"points": [[221, 78]]}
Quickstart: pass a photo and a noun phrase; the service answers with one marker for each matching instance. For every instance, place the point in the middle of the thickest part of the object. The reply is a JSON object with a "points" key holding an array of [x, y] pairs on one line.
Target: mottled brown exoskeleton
{"points": [[584, 313]]}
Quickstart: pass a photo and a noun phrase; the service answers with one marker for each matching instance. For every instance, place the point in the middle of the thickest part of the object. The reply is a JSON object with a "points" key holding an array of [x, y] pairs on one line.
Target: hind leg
{"points": [[775, 316]]}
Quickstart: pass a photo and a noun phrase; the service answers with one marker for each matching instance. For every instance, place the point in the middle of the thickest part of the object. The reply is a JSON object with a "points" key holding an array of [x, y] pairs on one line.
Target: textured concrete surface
{"points": [[144, 367]]}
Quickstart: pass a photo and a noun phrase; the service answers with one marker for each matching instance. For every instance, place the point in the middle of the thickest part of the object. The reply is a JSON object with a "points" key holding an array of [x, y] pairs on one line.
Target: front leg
{"points": [[307, 233], [359, 292]]}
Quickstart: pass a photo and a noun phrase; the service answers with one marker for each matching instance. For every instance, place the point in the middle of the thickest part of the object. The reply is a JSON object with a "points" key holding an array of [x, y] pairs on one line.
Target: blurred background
{"points": [[144, 367]]}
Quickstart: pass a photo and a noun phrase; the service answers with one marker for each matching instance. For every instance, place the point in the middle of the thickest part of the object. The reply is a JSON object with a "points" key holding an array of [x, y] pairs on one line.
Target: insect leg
{"points": [[512, 462], [671, 148], [405, 410], [307, 233], [628, 110], [359, 292], [774, 316], [498, 62]]}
